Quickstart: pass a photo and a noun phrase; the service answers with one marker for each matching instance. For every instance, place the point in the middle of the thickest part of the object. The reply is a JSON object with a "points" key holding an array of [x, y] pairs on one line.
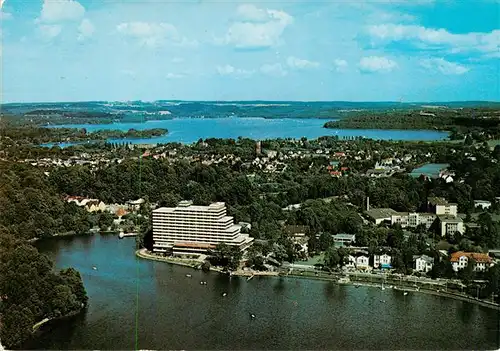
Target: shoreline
{"points": [[398, 287]]}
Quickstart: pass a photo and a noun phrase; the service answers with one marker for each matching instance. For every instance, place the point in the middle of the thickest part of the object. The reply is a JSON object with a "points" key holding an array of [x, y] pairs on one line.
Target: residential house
{"points": [[344, 239], [382, 261], [296, 231], [351, 262], [460, 259], [423, 263], [362, 262]]}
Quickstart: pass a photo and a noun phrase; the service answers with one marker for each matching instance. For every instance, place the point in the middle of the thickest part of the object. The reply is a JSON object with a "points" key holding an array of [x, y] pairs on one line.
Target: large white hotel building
{"points": [[195, 229]]}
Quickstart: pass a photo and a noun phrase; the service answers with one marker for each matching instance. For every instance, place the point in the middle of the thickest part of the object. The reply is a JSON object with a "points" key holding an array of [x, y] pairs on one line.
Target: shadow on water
{"points": [[466, 312], [56, 334], [280, 285], [330, 290]]}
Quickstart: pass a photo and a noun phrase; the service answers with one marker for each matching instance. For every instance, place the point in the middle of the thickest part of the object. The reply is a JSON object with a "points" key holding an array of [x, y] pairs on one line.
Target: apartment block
{"points": [[195, 229]]}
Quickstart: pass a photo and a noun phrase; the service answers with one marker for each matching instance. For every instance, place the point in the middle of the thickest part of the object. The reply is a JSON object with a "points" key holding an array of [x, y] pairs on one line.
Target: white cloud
{"points": [[256, 28], [340, 65], [85, 29], [228, 70], [171, 75], [443, 66], [128, 73], [154, 34], [377, 64], [5, 16], [275, 70], [297, 63], [61, 10], [50, 31], [483, 42]]}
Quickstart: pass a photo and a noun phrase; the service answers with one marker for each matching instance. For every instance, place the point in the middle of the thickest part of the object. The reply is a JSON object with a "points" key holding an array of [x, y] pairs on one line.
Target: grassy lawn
{"points": [[493, 143], [313, 260]]}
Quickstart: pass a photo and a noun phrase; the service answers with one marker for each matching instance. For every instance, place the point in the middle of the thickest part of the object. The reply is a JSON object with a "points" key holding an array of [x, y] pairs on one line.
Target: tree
{"points": [[325, 241], [105, 220], [467, 274], [332, 258]]}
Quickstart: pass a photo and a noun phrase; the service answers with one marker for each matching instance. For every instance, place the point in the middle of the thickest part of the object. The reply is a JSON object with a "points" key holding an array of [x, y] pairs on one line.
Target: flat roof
{"points": [[215, 207], [440, 201], [381, 213], [449, 218], [344, 236]]}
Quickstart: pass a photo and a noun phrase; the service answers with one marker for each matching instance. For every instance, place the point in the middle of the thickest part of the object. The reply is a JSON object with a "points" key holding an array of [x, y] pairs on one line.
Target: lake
{"points": [[156, 302], [189, 130]]}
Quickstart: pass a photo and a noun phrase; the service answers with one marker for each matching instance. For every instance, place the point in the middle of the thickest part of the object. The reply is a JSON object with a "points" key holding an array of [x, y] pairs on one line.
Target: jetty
{"points": [[124, 235]]}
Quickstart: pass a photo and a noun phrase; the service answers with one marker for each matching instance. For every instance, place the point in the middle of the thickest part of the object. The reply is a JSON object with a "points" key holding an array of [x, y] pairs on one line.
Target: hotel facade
{"points": [[195, 229]]}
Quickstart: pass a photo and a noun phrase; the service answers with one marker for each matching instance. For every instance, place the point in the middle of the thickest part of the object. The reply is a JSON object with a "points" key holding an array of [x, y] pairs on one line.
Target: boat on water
{"points": [[405, 293], [224, 294], [188, 275], [252, 315], [94, 268], [203, 283]]}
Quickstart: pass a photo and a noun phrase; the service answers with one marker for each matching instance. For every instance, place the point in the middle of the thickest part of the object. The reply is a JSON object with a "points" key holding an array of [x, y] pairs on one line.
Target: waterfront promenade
{"points": [[404, 283]]}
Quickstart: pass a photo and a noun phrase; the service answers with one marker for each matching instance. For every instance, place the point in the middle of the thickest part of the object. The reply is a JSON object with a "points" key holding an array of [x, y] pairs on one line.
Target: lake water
{"points": [[137, 303], [189, 130], [431, 170]]}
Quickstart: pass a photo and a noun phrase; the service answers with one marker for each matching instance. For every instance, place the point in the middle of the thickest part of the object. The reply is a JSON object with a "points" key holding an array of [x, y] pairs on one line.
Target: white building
{"points": [[362, 262], [351, 262], [187, 228], [413, 220], [423, 263], [460, 259], [450, 225], [383, 261], [482, 203], [440, 206]]}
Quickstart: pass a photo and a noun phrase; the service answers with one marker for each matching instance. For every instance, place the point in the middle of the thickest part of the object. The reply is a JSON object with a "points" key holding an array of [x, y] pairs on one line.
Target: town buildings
{"points": [[195, 229]]}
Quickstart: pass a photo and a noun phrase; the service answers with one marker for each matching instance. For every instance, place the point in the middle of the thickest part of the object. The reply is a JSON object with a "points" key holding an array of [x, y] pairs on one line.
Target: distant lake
{"points": [[129, 296], [431, 170], [189, 130]]}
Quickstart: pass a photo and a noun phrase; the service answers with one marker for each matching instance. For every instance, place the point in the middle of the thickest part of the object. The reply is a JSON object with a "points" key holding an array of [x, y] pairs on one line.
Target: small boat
{"points": [[252, 315], [224, 294], [382, 301], [405, 293], [94, 268], [188, 275]]}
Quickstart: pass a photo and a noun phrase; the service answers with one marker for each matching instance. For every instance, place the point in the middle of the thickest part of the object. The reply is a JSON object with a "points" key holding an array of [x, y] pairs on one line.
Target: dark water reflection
{"points": [[156, 302]]}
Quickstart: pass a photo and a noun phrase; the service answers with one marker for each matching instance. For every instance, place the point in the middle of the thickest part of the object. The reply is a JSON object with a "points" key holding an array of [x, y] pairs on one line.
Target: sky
{"points": [[337, 50]]}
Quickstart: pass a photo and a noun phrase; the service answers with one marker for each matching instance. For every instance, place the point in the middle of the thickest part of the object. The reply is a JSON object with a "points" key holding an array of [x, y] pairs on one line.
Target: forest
{"points": [[459, 122], [30, 290]]}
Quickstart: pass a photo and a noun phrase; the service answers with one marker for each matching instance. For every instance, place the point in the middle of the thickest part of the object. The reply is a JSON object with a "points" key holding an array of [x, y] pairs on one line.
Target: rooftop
{"points": [[439, 201], [186, 206], [478, 257], [344, 236], [450, 219], [381, 213]]}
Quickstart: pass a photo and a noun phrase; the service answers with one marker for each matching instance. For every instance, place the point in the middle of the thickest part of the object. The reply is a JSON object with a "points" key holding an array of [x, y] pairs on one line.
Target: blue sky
{"points": [[355, 50]]}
